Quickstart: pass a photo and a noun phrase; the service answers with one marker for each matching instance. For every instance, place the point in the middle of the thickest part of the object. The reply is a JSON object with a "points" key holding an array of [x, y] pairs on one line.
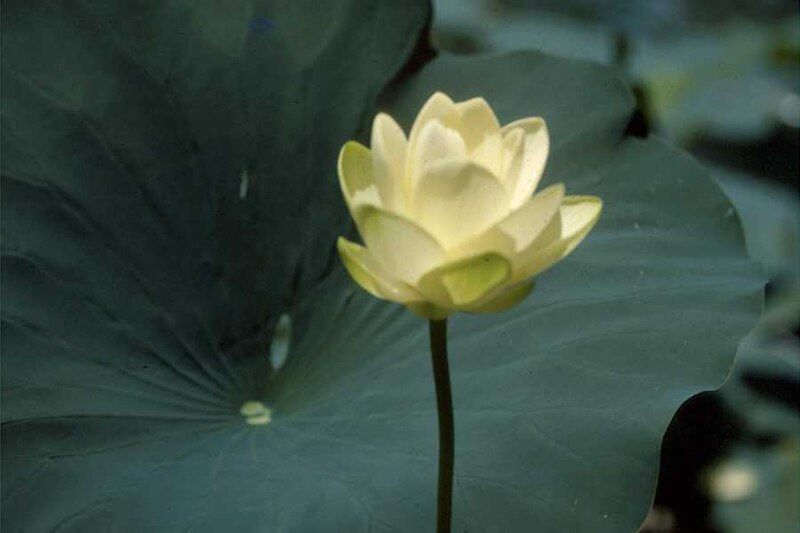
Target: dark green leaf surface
{"points": [[169, 190]]}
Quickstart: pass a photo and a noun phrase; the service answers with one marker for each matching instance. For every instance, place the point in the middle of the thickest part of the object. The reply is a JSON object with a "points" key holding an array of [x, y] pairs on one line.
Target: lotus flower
{"points": [[448, 214]]}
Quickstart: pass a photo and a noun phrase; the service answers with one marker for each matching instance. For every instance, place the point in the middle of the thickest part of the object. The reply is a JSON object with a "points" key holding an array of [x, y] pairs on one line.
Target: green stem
{"points": [[444, 404]]}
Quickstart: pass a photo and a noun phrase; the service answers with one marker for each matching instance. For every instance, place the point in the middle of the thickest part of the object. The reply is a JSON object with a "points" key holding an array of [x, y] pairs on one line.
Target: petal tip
{"points": [[440, 94], [350, 147], [382, 119]]}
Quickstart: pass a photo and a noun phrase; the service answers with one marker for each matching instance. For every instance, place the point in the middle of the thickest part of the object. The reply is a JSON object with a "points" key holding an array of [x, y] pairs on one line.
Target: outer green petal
{"points": [[506, 299], [577, 217], [465, 282], [369, 275]]}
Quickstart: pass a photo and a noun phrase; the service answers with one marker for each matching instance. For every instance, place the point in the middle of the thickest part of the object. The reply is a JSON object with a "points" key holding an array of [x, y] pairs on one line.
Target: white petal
{"points": [[491, 240], [456, 200], [399, 245], [528, 162], [436, 143], [577, 217], [528, 125], [368, 196], [489, 154], [579, 213], [389, 147], [369, 274], [478, 122], [356, 177], [526, 223], [438, 107], [538, 220], [512, 142]]}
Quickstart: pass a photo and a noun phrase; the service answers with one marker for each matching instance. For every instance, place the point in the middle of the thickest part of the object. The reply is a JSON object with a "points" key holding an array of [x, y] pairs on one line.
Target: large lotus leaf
{"points": [[168, 190], [171, 163]]}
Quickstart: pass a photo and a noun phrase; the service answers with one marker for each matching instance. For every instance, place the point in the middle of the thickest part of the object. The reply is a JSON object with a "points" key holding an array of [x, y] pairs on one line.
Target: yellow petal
{"points": [[366, 271], [526, 223], [465, 282], [527, 163], [389, 147], [506, 299], [400, 246], [577, 217], [456, 200], [355, 176], [478, 122]]}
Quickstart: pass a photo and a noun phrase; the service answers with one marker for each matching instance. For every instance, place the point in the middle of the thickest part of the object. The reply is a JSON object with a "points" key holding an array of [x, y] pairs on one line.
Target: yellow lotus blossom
{"points": [[448, 214]]}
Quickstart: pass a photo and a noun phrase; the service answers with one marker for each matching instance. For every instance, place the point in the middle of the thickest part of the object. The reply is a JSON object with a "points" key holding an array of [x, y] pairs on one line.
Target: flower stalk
{"points": [[444, 405]]}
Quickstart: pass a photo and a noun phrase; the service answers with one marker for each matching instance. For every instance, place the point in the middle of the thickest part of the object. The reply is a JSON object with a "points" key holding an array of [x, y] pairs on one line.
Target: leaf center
{"points": [[256, 413]]}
